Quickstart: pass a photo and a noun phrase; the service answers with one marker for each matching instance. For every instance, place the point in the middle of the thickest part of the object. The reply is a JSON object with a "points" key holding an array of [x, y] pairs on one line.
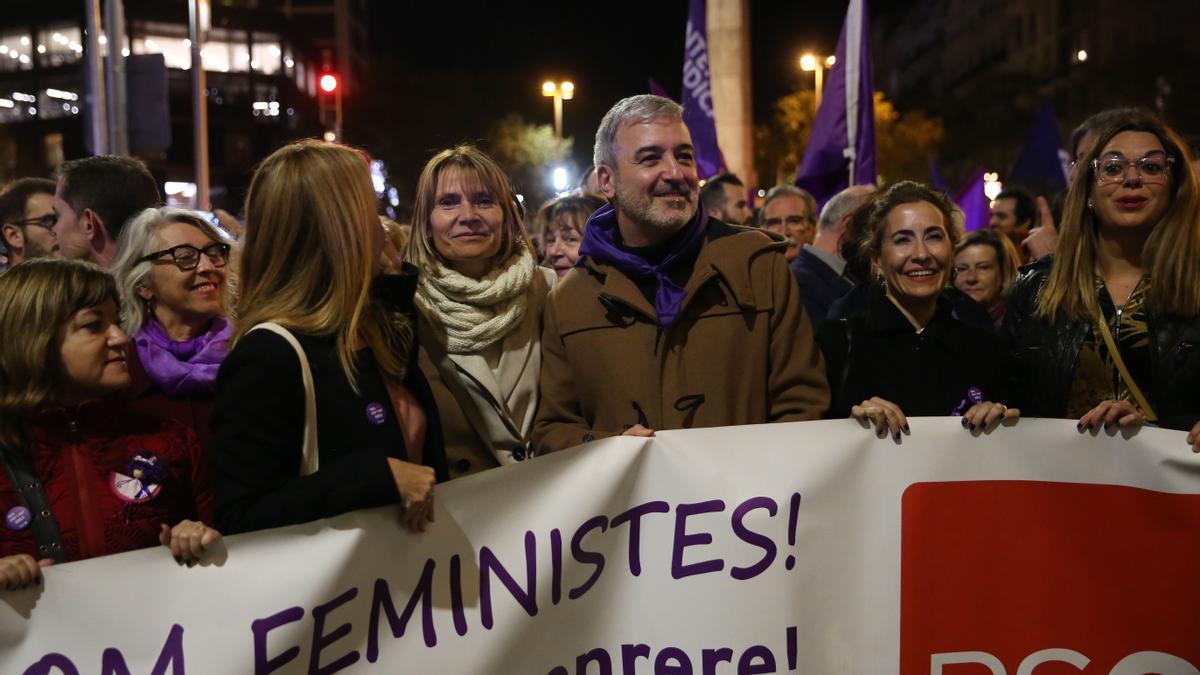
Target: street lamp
{"points": [[563, 91], [817, 65]]}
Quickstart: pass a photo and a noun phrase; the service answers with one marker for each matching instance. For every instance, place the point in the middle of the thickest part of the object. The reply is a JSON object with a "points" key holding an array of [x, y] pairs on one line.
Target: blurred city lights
{"points": [[329, 83], [992, 187], [558, 179]]}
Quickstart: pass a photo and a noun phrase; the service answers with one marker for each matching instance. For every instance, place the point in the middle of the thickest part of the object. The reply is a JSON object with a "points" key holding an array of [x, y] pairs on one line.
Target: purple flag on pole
{"points": [[977, 211], [697, 94], [841, 149]]}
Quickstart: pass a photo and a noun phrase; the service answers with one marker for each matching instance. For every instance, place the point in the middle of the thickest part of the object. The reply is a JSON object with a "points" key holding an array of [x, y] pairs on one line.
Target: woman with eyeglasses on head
{"points": [[85, 475], [1108, 331], [320, 407], [173, 276]]}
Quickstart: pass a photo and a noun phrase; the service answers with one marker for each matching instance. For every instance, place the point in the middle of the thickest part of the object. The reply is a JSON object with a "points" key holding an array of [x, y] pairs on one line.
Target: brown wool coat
{"points": [[741, 352]]}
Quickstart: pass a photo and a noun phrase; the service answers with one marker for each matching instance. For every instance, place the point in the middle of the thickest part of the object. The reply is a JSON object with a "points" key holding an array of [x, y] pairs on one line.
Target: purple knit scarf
{"points": [[183, 368], [600, 244]]}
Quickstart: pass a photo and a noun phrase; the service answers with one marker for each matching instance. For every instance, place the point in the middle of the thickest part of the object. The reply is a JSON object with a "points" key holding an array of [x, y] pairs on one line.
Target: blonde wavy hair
{"points": [[37, 298], [311, 251], [475, 166], [1171, 253]]}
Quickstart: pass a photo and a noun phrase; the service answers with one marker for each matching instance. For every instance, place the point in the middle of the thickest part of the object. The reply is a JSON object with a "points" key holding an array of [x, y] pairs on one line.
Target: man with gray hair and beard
{"points": [[672, 319], [819, 267]]}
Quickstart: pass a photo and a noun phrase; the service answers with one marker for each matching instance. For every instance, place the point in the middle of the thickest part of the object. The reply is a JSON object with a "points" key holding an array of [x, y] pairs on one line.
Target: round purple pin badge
{"points": [[376, 413], [18, 518], [975, 394]]}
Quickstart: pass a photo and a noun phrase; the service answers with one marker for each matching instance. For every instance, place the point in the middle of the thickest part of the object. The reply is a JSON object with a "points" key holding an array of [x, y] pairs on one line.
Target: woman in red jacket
{"points": [[84, 475]]}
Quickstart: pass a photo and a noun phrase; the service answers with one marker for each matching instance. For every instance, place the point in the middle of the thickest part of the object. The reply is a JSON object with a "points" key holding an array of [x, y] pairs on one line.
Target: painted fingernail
{"points": [[906, 429], [897, 436], [178, 560], [971, 427], [964, 422], [1079, 427]]}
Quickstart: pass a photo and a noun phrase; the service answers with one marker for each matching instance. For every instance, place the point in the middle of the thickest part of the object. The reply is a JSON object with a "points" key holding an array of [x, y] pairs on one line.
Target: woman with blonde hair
{"points": [[320, 408], [985, 266], [85, 475], [173, 275], [481, 296], [1104, 331]]}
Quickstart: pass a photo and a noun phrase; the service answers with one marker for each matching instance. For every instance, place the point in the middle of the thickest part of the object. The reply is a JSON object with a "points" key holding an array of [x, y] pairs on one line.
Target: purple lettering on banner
{"points": [[682, 665], [791, 647], [793, 518], [630, 654], [556, 565], [457, 609], [559, 670], [587, 557], [112, 662], [382, 600], [711, 658], [634, 518], [321, 640], [753, 538], [598, 656], [684, 540], [260, 628], [526, 597], [57, 661], [766, 661]]}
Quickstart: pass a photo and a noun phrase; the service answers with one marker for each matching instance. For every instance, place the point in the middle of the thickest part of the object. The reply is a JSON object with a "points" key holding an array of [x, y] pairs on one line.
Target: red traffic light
{"points": [[329, 83]]}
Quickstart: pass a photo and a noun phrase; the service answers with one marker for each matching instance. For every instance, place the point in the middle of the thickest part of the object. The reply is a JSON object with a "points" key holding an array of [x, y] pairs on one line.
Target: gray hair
{"points": [[633, 110], [843, 204], [785, 190], [137, 239]]}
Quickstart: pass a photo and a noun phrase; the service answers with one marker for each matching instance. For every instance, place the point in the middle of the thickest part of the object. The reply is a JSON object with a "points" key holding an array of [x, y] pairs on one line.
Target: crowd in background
{"points": [[166, 377]]}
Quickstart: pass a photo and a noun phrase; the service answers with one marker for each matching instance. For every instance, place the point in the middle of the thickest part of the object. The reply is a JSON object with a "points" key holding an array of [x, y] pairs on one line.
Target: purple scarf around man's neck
{"points": [[183, 368], [600, 243]]}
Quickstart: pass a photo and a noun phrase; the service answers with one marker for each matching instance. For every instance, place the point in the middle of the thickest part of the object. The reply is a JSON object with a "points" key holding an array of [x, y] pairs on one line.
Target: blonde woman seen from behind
{"points": [[480, 295], [311, 265]]}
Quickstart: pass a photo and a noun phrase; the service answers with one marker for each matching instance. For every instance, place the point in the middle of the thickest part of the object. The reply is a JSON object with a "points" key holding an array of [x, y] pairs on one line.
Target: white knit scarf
{"points": [[474, 313]]}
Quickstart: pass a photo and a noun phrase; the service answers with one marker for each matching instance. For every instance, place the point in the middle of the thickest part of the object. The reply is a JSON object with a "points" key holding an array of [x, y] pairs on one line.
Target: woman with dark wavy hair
{"points": [[907, 352]]}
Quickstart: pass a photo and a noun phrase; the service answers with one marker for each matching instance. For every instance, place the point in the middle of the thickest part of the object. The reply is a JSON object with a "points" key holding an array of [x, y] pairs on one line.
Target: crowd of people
{"points": [[164, 380]]}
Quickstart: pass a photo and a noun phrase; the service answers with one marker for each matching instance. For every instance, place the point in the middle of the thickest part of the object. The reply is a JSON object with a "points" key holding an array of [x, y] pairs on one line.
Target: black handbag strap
{"points": [[44, 525]]}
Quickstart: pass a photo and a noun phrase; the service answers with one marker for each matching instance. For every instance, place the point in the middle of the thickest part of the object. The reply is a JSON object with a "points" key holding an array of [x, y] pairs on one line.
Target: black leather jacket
{"points": [[1044, 356]]}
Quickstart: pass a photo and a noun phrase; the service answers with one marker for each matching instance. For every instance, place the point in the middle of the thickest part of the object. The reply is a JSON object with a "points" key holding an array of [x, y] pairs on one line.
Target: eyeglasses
{"points": [[1153, 168], [187, 257], [47, 221]]}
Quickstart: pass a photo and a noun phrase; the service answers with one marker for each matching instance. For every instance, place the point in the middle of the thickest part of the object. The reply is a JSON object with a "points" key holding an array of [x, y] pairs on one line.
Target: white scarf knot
{"points": [[474, 313]]}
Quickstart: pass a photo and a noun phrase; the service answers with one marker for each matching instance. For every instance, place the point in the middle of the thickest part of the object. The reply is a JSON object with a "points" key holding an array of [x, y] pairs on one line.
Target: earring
{"points": [[1090, 203]]}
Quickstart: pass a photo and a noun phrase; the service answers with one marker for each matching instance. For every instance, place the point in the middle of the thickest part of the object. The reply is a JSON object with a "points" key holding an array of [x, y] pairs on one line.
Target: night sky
{"points": [[503, 51]]}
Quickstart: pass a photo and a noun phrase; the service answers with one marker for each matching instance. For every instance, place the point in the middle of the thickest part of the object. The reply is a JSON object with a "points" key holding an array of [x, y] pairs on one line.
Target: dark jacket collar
{"points": [[885, 318]]}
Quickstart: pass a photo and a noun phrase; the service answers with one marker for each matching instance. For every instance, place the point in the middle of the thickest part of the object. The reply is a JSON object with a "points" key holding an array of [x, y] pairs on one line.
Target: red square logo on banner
{"points": [[1036, 578]]}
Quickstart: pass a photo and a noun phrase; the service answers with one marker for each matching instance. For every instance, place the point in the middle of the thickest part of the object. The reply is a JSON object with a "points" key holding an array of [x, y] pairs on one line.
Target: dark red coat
{"points": [[146, 397], [77, 454]]}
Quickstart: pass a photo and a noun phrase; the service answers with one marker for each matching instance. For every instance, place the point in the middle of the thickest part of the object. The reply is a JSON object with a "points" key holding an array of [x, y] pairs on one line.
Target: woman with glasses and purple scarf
{"points": [[172, 272]]}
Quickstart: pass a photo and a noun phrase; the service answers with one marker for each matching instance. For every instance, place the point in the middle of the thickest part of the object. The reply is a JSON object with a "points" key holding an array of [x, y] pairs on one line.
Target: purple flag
{"points": [[841, 148], [1043, 163], [659, 90], [977, 208], [697, 94]]}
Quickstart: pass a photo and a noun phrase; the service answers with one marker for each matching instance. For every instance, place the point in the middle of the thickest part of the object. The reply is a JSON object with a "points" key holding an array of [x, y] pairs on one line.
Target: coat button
{"points": [[518, 454], [588, 438], [462, 465]]}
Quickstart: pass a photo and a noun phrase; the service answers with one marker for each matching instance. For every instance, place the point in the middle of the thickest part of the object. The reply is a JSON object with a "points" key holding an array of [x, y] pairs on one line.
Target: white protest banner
{"points": [[811, 547]]}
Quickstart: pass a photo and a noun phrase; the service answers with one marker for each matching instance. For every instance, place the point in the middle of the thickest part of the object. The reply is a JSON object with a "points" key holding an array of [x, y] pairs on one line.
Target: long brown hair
{"points": [[475, 165], [1172, 251], [309, 254], [37, 298]]}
